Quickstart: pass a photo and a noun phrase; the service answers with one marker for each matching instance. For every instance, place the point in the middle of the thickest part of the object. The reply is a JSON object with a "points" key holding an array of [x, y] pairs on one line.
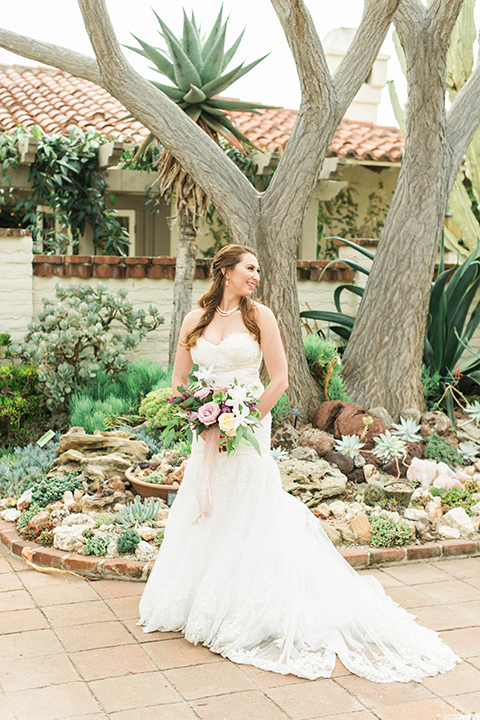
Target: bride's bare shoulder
{"points": [[263, 313], [192, 319]]}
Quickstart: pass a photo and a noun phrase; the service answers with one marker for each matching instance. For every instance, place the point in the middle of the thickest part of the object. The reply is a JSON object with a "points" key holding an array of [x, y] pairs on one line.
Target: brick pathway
{"points": [[69, 648]]}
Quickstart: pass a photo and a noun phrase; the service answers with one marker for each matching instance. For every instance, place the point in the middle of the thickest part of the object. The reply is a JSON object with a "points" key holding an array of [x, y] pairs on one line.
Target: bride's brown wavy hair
{"points": [[227, 258]]}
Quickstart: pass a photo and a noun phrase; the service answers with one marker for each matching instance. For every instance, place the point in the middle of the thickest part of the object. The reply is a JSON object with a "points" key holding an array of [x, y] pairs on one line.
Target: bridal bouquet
{"points": [[230, 409]]}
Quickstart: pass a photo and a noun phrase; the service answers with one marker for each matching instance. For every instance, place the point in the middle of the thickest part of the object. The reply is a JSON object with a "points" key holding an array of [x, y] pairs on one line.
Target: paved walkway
{"points": [[69, 648]]}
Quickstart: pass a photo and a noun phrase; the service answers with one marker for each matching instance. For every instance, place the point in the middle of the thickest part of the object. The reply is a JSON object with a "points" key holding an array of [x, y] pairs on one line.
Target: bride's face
{"points": [[244, 276]]}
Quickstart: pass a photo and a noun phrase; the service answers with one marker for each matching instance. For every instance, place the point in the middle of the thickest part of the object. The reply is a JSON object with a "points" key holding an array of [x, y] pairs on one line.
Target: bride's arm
{"points": [[274, 357], [183, 360]]}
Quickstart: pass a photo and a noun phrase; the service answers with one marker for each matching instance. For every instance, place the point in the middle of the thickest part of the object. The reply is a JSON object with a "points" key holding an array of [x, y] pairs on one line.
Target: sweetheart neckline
{"points": [[226, 338]]}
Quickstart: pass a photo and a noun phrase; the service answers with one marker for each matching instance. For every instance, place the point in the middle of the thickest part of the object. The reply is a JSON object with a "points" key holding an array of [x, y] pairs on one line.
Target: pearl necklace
{"points": [[226, 313]]}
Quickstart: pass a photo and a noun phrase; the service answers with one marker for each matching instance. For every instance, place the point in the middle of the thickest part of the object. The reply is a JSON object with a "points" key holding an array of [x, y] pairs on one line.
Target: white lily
{"points": [[206, 374]]}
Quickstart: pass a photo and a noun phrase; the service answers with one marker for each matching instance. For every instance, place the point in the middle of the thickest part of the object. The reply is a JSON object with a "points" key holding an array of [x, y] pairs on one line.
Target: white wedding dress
{"points": [[260, 583]]}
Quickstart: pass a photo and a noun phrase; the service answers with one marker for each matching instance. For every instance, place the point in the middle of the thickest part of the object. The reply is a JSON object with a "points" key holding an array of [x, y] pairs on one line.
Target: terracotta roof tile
{"points": [[56, 101]]}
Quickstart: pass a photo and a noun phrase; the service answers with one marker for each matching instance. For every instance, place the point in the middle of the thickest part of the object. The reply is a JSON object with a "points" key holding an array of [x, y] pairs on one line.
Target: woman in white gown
{"points": [[258, 581]]}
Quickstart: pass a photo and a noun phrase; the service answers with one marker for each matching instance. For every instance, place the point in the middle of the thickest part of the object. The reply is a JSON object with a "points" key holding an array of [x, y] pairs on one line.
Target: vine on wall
{"points": [[64, 177]]}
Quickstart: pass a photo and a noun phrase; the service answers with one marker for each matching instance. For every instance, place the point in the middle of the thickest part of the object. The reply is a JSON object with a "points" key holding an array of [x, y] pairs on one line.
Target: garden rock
{"points": [[320, 441], [304, 453], [450, 533], [145, 552], [357, 476], [69, 538], [476, 509], [458, 518], [79, 519], [338, 508], [319, 478], [344, 463], [334, 535], [342, 418], [98, 456], [107, 497], [361, 528], [469, 433], [10, 515], [434, 422], [146, 533], [384, 415], [285, 436], [373, 493], [434, 509], [415, 514], [39, 519], [68, 498], [411, 414], [371, 473]]}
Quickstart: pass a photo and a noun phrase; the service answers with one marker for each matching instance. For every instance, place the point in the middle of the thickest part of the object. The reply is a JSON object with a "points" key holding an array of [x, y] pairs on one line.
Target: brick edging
{"points": [[162, 267], [100, 568]]}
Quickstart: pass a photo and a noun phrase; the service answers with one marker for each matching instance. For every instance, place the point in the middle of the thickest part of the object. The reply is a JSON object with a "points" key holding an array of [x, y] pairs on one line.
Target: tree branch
{"points": [[322, 107], [363, 51], [73, 62], [463, 120]]}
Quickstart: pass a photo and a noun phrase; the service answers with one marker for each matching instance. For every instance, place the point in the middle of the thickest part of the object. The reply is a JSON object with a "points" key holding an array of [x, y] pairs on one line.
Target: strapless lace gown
{"points": [[260, 583]]}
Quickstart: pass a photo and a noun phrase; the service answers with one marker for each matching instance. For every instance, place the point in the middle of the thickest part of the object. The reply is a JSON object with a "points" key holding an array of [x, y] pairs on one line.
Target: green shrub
{"points": [[387, 532], [86, 328], [323, 359], [159, 413], [96, 545], [442, 450], [281, 410], [49, 490], [19, 470], [22, 402], [128, 541]]}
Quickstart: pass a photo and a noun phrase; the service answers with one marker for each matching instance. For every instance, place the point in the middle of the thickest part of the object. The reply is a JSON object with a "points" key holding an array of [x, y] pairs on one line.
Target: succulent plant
{"points": [[389, 447], [349, 445], [197, 70], [468, 450], [138, 513], [278, 453], [408, 430], [474, 411], [128, 541]]}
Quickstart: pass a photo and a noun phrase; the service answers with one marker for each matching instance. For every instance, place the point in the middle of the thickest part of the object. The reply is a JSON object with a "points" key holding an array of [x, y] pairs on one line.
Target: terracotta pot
{"points": [[400, 492], [146, 489]]}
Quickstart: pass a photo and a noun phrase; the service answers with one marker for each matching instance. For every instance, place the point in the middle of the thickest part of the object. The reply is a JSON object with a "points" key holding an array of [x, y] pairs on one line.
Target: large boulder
{"points": [[69, 538], [343, 418], [285, 436], [97, 457], [312, 481]]}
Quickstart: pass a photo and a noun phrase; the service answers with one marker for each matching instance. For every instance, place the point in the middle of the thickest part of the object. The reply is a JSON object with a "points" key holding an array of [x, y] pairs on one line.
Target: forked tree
{"points": [[270, 221], [383, 358]]}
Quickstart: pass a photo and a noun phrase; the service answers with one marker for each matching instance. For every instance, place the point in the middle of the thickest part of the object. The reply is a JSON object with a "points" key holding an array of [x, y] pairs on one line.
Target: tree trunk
{"points": [[184, 274], [383, 358]]}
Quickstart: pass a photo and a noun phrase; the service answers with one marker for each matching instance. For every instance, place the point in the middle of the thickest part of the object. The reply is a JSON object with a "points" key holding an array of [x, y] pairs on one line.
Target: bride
{"points": [[258, 581]]}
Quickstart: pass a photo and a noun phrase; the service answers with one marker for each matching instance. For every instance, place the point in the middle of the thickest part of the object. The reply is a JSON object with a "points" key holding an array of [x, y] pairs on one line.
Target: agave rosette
{"points": [[199, 72]]}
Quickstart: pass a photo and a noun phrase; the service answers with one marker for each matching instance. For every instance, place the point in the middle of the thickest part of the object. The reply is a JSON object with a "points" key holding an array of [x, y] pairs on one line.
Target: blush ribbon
{"points": [[207, 482]]}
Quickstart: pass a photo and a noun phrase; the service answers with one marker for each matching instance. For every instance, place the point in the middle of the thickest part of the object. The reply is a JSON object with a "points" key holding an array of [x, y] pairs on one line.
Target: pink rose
{"points": [[208, 413], [219, 388], [202, 393], [192, 416]]}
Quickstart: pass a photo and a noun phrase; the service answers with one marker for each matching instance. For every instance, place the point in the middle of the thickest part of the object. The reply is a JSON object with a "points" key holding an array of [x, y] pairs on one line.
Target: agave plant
{"points": [[389, 447], [197, 67], [447, 333], [408, 430], [349, 445], [278, 453], [138, 513]]}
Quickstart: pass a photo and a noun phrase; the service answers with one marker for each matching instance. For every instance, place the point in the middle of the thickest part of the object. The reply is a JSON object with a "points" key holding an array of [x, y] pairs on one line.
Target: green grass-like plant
{"points": [[324, 363], [455, 497]]}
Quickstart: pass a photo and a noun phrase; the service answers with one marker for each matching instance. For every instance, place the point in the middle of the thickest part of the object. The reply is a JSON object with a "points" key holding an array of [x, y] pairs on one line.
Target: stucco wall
{"points": [[26, 279]]}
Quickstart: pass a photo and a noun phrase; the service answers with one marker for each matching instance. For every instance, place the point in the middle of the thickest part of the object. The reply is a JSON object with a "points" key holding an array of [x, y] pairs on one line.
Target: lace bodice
{"points": [[238, 356]]}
